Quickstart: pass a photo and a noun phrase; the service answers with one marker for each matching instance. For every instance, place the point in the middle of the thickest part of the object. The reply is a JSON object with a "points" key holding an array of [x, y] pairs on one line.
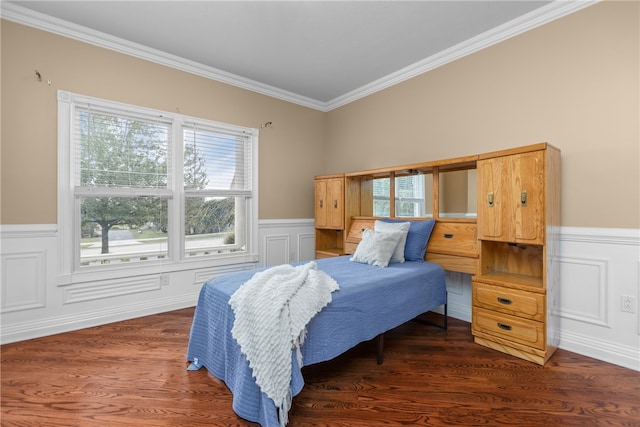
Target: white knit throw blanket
{"points": [[271, 311]]}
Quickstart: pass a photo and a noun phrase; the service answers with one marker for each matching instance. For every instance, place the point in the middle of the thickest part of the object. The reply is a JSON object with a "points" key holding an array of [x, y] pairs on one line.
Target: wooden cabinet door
{"points": [[493, 198], [335, 212], [321, 203], [528, 197], [329, 203], [511, 198]]}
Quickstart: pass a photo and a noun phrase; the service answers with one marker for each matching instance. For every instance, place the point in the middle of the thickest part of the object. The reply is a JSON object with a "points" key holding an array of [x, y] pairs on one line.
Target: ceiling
{"points": [[321, 54]]}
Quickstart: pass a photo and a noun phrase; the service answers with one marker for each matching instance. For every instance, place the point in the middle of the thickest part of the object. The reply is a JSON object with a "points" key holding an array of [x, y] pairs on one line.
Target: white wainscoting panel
{"points": [[583, 293], [29, 269], [35, 301], [286, 241], [598, 267], [80, 292], [306, 245], [276, 249]]}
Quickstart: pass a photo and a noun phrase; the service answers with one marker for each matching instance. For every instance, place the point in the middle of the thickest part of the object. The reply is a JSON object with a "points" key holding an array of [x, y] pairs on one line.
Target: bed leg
{"points": [[437, 325], [380, 348], [445, 317]]}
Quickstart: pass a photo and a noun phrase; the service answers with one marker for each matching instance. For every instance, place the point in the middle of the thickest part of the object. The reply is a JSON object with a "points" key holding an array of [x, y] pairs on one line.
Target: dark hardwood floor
{"points": [[134, 373]]}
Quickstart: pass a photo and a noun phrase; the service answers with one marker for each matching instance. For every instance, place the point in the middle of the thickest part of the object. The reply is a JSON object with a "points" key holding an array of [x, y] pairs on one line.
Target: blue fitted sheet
{"points": [[371, 300]]}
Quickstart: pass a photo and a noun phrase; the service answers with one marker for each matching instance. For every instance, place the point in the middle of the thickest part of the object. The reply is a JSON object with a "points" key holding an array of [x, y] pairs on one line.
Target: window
{"points": [[217, 182], [381, 197], [412, 195], [145, 187]]}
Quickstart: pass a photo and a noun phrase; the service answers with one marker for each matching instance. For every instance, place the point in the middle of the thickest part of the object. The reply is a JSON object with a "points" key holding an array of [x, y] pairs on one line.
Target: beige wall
{"points": [[573, 82], [289, 150]]}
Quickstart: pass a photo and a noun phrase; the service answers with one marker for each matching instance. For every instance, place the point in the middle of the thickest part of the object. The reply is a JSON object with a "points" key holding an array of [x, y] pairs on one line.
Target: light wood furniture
{"points": [[329, 215], [515, 291], [510, 247], [453, 241]]}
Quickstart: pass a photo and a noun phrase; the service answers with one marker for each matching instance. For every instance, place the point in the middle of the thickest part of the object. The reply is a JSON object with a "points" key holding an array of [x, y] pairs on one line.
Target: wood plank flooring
{"points": [[134, 373]]}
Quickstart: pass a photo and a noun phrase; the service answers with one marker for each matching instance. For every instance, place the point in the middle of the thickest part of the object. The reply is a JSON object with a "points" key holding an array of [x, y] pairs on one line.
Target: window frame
{"points": [[69, 233]]}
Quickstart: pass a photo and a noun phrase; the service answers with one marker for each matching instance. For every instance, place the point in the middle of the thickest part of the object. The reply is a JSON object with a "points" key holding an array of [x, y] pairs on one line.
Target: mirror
{"points": [[413, 192], [457, 194]]}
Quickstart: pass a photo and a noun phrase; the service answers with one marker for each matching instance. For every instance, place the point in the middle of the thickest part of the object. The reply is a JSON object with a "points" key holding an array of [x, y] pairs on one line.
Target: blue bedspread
{"points": [[371, 300]]}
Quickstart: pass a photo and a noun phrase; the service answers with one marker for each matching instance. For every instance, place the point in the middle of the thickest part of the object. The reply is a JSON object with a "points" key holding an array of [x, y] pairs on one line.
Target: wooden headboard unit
{"points": [[449, 198]]}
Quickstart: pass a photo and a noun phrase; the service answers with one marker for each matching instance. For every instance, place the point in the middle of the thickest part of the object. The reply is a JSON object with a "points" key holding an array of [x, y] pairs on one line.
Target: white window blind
{"points": [[120, 150], [217, 161]]}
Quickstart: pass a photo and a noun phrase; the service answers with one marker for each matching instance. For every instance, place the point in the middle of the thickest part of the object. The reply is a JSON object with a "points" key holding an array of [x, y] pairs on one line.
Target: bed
{"points": [[371, 300]]}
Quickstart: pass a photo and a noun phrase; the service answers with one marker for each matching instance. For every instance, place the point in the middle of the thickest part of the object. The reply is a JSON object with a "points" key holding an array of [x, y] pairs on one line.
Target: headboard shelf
{"points": [[444, 190]]}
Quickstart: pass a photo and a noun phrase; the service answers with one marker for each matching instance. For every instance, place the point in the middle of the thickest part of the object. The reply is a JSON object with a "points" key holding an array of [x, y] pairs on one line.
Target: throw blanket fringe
{"points": [[272, 310]]}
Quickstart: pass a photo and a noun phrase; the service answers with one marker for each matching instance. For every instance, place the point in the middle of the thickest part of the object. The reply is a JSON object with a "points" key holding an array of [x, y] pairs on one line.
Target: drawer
{"points": [[510, 301], [523, 331], [454, 238], [454, 263]]}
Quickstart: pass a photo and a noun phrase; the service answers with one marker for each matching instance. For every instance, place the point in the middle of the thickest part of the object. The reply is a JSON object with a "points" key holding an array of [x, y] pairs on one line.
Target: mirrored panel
{"points": [[457, 194], [414, 195], [381, 197]]}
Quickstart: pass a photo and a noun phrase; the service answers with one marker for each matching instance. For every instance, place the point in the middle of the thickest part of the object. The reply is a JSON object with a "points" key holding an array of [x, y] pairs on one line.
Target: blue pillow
{"points": [[417, 239]]}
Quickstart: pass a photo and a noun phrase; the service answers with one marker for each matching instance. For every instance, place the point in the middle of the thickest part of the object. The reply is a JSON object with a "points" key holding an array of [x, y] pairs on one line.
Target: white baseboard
{"points": [[622, 355], [36, 328]]}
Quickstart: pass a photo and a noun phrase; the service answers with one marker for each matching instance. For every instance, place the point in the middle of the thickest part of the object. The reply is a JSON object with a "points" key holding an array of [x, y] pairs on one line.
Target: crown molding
{"points": [[536, 18], [21, 15], [543, 15]]}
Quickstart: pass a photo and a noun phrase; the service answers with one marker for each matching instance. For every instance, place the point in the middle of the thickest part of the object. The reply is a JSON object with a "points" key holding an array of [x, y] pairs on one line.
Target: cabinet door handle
{"points": [[490, 199], [505, 301], [504, 326], [523, 198], [335, 204]]}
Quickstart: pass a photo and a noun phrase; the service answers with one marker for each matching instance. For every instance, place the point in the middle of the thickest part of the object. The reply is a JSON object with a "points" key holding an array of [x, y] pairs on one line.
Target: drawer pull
{"points": [[448, 235], [505, 301], [503, 326]]}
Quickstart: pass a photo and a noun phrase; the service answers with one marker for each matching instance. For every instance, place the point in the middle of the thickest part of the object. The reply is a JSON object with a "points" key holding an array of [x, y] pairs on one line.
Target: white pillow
{"points": [[376, 247], [403, 227]]}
